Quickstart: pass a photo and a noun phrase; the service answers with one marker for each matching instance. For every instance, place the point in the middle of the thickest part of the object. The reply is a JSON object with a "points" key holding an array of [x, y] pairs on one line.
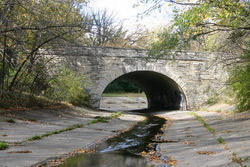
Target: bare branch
{"points": [[182, 3], [225, 26], [42, 28]]}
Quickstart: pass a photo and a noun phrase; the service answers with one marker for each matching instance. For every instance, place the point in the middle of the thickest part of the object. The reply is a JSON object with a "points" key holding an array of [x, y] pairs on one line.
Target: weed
{"points": [[203, 122], [239, 160], [98, 119], [3, 145], [105, 119], [37, 137], [102, 119], [55, 132], [93, 121], [220, 140], [115, 115]]}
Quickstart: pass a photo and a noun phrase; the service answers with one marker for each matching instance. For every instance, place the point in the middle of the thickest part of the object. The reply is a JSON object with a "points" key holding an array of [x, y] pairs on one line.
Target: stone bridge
{"points": [[183, 80]]}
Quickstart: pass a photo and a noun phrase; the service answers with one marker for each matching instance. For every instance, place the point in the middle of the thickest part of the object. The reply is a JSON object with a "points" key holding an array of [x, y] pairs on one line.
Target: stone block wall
{"points": [[194, 72]]}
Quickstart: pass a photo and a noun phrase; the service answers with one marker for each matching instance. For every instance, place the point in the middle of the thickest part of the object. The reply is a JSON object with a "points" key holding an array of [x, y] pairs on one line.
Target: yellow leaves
{"points": [[169, 4], [172, 162], [143, 153]]}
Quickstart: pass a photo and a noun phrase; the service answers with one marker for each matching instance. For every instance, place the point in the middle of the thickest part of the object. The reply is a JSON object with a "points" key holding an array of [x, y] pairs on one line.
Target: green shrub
{"points": [[68, 86], [240, 82]]}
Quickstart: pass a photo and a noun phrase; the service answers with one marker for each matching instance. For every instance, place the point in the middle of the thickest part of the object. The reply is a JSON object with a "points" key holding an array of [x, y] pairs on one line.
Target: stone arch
{"points": [[114, 74]]}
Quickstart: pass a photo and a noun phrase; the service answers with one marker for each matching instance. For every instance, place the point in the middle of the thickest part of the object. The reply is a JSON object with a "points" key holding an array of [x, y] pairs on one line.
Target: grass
{"points": [[98, 119], [114, 115], [203, 122], [123, 95], [3, 145], [220, 140], [38, 137]]}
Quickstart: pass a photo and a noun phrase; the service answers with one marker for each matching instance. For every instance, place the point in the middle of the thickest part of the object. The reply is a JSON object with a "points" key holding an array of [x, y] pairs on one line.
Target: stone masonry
{"points": [[194, 73]]}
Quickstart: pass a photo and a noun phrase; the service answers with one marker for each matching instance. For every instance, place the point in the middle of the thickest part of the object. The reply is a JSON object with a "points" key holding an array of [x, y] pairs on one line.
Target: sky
{"points": [[125, 11]]}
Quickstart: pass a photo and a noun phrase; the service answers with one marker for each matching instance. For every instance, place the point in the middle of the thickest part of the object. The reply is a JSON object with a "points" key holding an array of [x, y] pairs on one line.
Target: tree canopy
{"points": [[212, 25]]}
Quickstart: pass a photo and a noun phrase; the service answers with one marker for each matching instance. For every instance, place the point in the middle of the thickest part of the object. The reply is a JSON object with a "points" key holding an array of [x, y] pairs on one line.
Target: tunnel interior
{"points": [[161, 91]]}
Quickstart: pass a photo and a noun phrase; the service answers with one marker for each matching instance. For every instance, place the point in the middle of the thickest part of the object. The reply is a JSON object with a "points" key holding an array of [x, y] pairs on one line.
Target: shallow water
{"points": [[123, 150]]}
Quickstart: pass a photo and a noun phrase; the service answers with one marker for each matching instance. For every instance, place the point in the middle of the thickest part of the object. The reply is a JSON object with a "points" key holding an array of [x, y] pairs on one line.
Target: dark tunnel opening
{"points": [[161, 91]]}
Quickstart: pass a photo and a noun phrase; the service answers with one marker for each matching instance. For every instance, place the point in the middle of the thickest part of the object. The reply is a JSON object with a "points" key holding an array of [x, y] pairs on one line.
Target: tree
{"points": [[26, 27], [207, 18], [105, 30], [203, 22]]}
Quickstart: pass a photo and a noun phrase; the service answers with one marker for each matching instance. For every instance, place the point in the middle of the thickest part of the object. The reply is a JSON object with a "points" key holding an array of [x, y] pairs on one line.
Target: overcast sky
{"points": [[124, 10]]}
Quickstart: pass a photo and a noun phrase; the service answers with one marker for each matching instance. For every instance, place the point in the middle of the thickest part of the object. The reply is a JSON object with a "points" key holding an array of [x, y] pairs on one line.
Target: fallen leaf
{"points": [[226, 131], [19, 152], [206, 152], [172, 162], [188, 142], [190, 136]]}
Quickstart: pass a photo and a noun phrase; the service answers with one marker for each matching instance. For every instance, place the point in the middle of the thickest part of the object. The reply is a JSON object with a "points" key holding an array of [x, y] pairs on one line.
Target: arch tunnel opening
{"points": [[161, 92]]}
